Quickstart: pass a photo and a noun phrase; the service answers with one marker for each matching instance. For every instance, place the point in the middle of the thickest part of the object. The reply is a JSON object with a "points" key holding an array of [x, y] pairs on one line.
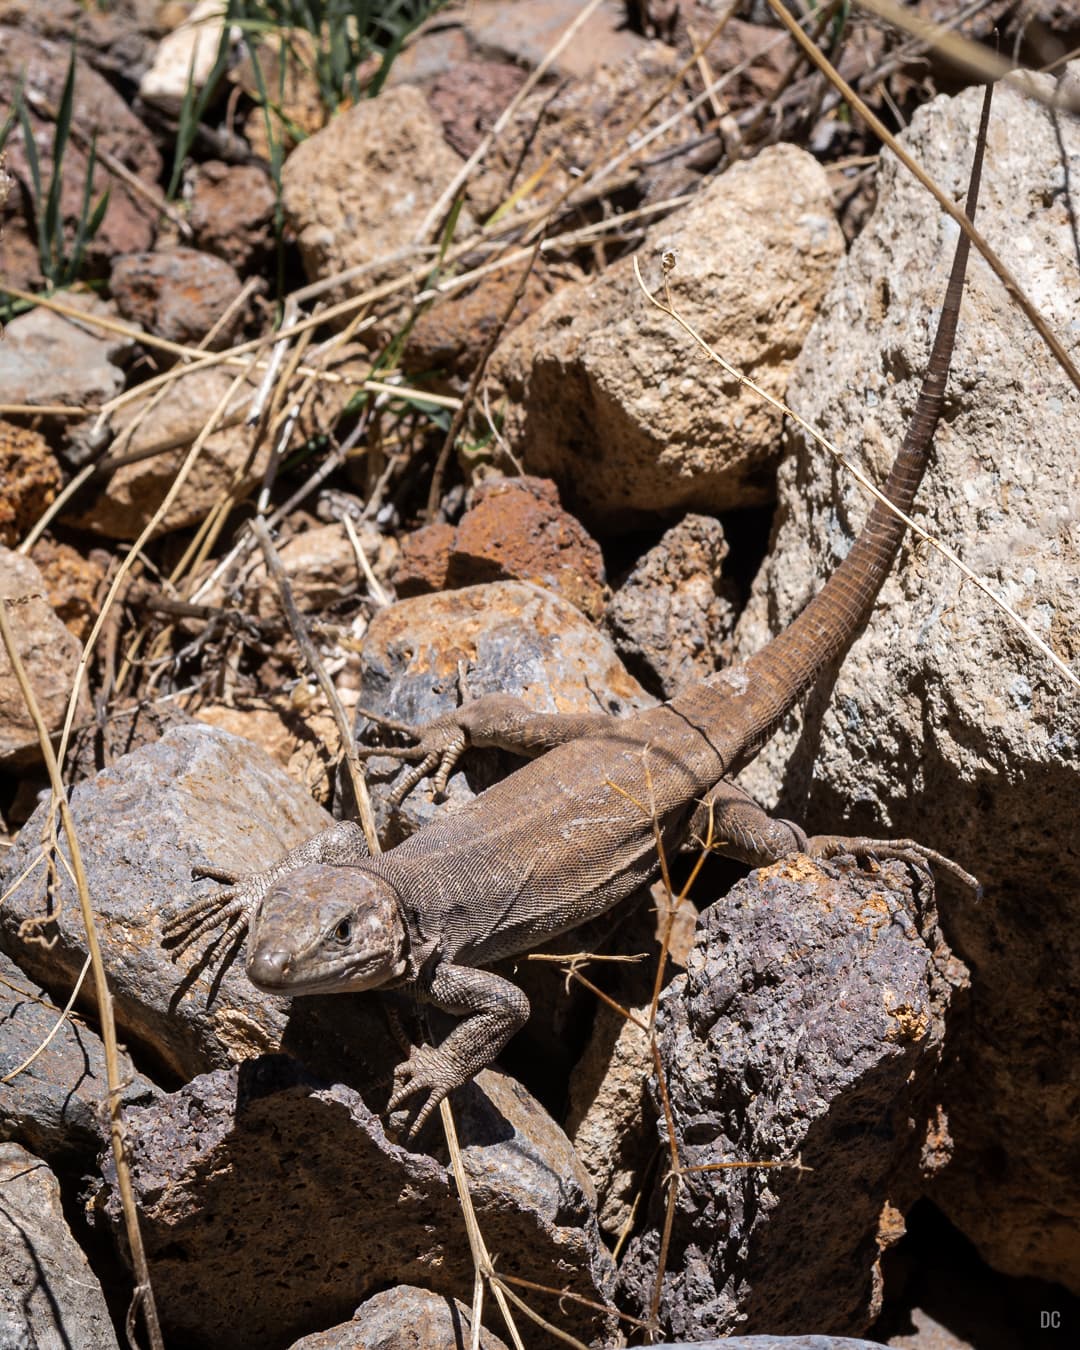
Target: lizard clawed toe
{"points": [[438, 747], [428, 1070], [910, 851], [226, 908]]}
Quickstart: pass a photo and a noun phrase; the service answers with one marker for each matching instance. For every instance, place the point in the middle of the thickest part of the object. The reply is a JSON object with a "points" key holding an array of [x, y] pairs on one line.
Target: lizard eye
{"points": [[343, 932]]}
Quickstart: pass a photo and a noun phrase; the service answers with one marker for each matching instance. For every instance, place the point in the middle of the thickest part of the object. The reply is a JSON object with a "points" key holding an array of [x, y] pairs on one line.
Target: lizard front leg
{"points": [[231, 907], [742, 829], [492, 1009], [493, 720]]}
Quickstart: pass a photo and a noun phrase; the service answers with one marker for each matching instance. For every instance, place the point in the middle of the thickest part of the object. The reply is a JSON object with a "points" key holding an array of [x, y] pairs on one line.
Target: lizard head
{"points": [[325, 930]]}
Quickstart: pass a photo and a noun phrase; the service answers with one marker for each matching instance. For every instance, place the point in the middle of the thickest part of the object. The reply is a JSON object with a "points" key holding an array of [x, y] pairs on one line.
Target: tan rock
{"points": [[29, 480], [360, 188], [135, 491], [611, 399], [47, 650], [304, 742], [72, 582]]}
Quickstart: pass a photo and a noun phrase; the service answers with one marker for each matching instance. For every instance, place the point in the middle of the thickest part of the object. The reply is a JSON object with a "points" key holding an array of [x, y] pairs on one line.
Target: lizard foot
{"points": [[907, 850], [226, 908], [428, 1069], [438, 747]]}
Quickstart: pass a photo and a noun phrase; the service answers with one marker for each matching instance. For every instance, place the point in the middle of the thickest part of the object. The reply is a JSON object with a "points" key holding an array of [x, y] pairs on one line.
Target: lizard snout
{"points": [[268, 969]]}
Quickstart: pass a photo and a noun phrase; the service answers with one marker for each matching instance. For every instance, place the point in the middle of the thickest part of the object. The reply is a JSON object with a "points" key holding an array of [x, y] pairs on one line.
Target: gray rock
{"points": [[47, 358], [808, 1026], [672, 618], [197, 797], [271, 1202], [49, 654], [943, 723], [55, 1107], [610, 398], [403, 1318], [514, 638], [49, 1297]]}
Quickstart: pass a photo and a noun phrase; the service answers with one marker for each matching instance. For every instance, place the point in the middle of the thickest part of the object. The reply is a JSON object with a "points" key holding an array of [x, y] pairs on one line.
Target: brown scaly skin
{"points": [[572, 832]]}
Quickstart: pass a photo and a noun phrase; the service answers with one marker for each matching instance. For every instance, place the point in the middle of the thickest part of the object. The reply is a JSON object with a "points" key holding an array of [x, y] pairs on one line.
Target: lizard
{"points": [[576, 829]]}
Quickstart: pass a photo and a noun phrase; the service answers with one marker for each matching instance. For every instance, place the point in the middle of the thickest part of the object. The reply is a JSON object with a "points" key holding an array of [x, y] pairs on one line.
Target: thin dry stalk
{"points": [[879, 129], [862, 480], [314, 662], [143, 1296], [439, 472]]}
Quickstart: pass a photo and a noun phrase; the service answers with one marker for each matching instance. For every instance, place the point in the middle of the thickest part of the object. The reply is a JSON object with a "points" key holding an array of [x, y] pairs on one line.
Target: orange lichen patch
{"points": [[29, 480], [907, 1023]]}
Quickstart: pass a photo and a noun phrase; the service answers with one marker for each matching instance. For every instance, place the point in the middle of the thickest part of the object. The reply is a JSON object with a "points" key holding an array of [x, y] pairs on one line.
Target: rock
{"points": [[809, 1026], [184, 57], [29, 480], [135, 491], [72, 582], [403, 1318], [179, 295], [361, 187], [46, 358], [424, 562], [453, 334], [304, 742], [513, 638], [527, 32], [673, 616], [943, 723], [116, 41], [128, 724], [41, 68], [346, 1213], [49, 653], [56, 1106], [195, 798], [469, 97], [49, 1297], [515, 530], [609, 398], [810, 1342], [232, 208]]}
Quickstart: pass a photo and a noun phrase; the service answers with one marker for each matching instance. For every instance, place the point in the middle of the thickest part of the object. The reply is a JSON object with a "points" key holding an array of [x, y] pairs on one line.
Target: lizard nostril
{"points": [[268, 969]]}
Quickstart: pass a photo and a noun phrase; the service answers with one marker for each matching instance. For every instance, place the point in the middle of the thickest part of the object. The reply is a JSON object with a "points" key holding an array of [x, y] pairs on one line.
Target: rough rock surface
{"points": [[54, 1107], [346, 1211], [527, 31], [185, 56], [49, 654], [135, 491], [673, 616], [809, 1025], [943, 723], [232, 207], [610, 398], [403, 1318], [72, 581], [29, 480], [513, 638], [179, 295], [367, 180], [197, 797], [47, 358], [514, 529], [49, 1298]]}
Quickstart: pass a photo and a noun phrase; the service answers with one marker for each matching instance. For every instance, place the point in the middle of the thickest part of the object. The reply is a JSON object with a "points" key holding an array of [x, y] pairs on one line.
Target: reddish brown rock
{"points": [[71, 582], [469, 97], [179, 295], [514, 530], [29, 480], [232, 207]]}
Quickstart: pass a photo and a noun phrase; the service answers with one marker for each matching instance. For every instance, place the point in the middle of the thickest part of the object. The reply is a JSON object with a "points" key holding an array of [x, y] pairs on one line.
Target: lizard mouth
{"points": [[275, 971]]}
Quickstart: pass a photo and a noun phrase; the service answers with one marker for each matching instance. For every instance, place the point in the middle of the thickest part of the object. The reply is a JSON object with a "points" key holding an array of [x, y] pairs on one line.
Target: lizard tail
{"points": [[784, 670]]}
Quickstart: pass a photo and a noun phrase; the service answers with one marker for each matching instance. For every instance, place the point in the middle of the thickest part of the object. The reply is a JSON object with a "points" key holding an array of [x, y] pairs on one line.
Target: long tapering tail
{"points": [[780, 673]]}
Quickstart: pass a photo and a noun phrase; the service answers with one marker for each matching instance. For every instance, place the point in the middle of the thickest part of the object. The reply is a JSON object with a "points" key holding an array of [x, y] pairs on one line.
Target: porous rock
{"points": [[48, 358], [271, 1202], [56, 1106], [29, 480], [135, 491], [366, 180], [49, 654], [196, 798], [608, 397], [672, 618], [49, 1297], [943, 722], [526, 32], [72, 580], [178, 295], [808, 1029], [514, 529], [232, 207], [403, 1318], [509, 637]]}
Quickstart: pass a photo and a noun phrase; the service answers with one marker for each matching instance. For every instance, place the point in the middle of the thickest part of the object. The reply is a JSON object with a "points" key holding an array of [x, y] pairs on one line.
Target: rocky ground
{"points": [[311, 293]]}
